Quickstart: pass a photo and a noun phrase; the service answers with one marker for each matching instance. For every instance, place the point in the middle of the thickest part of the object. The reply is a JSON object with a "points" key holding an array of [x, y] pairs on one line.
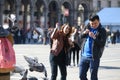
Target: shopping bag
{"points": [[7, 56]]}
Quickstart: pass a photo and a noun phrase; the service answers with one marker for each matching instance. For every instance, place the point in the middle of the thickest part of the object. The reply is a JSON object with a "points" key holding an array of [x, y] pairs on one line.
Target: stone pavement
{"points": [[109, 66]]}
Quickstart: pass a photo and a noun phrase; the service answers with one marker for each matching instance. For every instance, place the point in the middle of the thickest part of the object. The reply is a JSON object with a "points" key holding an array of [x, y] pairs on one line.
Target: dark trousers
{"points": [[72, 51], [87, 63], [58, 61], [75, 52]]}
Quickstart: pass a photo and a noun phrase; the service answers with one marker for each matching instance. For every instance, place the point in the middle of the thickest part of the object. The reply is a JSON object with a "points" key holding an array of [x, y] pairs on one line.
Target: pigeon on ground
{"points": [[25, 76], [18, 69], [35, 66]]}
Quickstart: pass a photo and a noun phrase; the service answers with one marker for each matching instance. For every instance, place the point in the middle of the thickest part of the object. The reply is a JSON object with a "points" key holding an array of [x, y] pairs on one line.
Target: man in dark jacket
{"points": [[94, 39]]}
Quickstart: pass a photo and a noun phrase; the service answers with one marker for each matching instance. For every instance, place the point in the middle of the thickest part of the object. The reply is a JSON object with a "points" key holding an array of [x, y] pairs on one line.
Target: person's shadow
{"points": [[109, 67]]}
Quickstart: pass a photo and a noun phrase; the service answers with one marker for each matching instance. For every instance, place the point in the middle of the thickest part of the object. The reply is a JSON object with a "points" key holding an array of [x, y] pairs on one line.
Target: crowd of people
{"points": [[22, 35], [113, 37], [40, 35]]}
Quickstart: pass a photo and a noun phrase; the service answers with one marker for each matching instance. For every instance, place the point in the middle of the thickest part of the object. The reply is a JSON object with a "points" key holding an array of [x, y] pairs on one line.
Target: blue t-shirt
{"points": [[87, 52]]}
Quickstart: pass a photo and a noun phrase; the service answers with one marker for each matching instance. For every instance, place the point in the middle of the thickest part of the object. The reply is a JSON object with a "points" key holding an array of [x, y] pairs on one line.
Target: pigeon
{"points": [[25, 76], [35, 66], [18, 69], [30, 78]]}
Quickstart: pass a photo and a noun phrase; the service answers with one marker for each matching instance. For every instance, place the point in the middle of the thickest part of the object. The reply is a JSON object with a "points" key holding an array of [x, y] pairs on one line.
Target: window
{"points": [[109, 3], [99, 5], [118, 3]]}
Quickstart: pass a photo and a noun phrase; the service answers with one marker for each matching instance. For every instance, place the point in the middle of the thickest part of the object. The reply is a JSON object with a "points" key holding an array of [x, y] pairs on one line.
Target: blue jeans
{"points": [[87, 63]]}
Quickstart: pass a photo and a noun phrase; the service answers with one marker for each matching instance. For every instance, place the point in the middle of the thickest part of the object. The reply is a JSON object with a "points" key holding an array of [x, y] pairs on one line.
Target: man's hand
{"points": [[91, 34], [86, 31]]}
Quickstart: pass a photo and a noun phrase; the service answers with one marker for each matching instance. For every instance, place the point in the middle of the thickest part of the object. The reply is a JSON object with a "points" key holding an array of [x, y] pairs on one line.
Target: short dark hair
{"points": [[93, 17]]}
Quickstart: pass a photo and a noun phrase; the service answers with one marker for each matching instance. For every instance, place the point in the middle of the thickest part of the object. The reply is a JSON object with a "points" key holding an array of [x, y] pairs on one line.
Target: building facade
{"points": [[100, 4], [47, 12]]}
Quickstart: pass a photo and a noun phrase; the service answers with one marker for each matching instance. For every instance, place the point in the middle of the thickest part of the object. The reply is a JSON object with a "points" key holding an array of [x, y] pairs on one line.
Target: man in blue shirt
{"points": [[94, 39]]}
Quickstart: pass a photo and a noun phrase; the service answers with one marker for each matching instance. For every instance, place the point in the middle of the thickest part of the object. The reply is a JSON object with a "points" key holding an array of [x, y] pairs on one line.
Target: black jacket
{"points": [[98, 43]]}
